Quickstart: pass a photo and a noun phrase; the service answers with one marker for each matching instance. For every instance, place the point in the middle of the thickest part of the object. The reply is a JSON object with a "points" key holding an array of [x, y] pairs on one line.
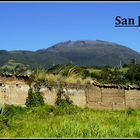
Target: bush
{"points": [[63, 104], [34, 98], [62, 98], [133, 74], [86, 73]]}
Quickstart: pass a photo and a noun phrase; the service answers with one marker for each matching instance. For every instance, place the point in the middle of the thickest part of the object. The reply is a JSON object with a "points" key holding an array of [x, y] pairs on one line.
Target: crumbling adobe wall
{"points": [[113, 98], [106, 98], [15, 91], [132, 98], [76, 95]]}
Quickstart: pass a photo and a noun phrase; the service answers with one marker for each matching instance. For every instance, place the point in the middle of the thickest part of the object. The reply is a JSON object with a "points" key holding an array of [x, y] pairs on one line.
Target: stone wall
{"points": [[14, 91]]}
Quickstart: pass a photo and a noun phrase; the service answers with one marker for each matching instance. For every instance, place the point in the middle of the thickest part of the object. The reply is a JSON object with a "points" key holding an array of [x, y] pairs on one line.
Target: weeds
{"points": [[131, 111], [6, 114], [68, 122]]}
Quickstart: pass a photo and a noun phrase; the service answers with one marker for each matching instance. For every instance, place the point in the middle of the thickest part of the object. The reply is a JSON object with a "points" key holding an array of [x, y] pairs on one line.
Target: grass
{"points": [[68, 79], [97, 71], [52, 77], [55, 122], [94, 70], [76, 79], [124, 70]]}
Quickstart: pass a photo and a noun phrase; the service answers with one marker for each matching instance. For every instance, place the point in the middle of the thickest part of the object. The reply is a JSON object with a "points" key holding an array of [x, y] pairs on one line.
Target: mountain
{"points": [[81, 52], [93, 52]]}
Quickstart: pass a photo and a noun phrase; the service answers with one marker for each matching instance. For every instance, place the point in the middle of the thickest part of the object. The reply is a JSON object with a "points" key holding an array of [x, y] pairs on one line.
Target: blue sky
{"points": [[37, 25]]}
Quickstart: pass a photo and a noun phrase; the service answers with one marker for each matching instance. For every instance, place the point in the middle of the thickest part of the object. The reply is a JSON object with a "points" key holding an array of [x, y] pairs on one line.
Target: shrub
{"points": [[62, 98], [34, 98], [133, 74], [85, 73]]}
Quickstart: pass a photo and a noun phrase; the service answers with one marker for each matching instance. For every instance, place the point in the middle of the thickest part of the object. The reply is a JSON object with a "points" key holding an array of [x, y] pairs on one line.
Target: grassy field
{"points": [[69, 122], [96, 70]]}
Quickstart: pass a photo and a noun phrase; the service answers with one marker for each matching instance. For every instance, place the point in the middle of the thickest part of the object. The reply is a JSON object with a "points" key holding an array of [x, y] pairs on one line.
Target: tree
{"points": [[133, 61], [62, 98], [34, 98], [133, 74]]}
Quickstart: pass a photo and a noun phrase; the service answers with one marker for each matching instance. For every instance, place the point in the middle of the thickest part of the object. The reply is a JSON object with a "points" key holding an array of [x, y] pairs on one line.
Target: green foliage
{"points": [[63, 104], [6, 114], [34, 98], [133, 74], [40, 74], [71, 69], [114, 76], [70, 122], [86, 74], [41, 111], [62, 99], [80, 53], [131, 111], [55, 69], [66, 109], [2, 108], [13, 67], [95, 75], [128, 74], [133, 61]]}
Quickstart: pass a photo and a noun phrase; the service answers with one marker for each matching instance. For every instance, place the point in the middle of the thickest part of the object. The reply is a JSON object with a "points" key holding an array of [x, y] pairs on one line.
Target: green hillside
{"points": [[82, 53]]}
